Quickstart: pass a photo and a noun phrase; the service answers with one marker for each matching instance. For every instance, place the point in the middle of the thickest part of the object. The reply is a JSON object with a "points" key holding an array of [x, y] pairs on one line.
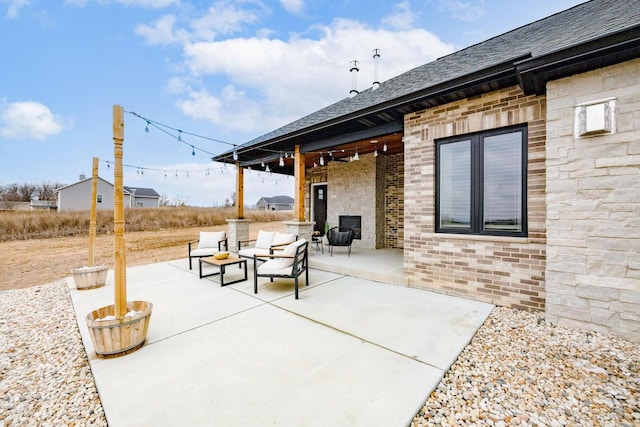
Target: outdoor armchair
{"points": [[289, 264], [208, 243], [340, 236], [266, 243]]}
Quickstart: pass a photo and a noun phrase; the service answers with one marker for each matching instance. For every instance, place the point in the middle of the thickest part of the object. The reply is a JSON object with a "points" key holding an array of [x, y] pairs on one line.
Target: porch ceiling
{"points": [[339, 152]]}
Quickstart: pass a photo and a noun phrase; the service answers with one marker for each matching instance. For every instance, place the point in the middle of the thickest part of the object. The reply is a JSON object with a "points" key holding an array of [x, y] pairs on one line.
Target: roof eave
{"points": [[535, 73]]}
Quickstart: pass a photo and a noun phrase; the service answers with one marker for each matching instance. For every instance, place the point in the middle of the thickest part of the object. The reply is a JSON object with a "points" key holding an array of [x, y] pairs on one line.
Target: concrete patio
{"points": [[349, 352]]}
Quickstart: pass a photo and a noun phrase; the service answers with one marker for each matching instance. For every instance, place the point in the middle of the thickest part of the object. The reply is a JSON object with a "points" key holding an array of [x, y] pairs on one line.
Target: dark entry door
{"points": [[319, 207]]}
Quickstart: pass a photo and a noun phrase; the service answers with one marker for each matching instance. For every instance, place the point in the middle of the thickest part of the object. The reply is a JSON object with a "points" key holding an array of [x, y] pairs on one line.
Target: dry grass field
{"points": [[36, 261]]}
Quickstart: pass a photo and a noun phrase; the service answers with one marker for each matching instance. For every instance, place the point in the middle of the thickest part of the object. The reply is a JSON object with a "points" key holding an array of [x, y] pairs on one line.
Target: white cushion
{"points": [[210, 239], [290, 250], [264, 239], [203, 251], [250, 252], [272, 267], [280, 238]]}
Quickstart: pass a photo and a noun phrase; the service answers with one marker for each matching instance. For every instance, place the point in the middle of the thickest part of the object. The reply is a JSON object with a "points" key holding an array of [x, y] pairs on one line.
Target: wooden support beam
{"points": [[299, 185], [120, 276], [93, 214], [239, 191]]}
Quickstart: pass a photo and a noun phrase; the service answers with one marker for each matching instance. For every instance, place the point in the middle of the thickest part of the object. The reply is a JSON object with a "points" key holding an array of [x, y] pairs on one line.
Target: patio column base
{"points": [[238, 230], [303, 229]]}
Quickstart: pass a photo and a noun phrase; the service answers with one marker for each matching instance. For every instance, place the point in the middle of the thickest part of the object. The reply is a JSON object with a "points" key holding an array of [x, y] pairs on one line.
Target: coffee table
{"points": [[222, 264]]}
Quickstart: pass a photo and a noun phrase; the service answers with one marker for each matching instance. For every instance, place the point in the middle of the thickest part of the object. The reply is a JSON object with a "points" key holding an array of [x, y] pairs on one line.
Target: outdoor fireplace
{"points": [[354, 222]]}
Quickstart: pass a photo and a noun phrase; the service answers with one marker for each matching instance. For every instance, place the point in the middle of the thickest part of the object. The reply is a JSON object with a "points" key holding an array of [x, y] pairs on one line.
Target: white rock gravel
{"points": [[517, 371], [45, 379]]}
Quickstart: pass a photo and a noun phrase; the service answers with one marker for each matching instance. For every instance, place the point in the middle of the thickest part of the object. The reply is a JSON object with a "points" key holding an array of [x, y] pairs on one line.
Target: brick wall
{"points": [[501, 270], [394, 201], [593, 198]]}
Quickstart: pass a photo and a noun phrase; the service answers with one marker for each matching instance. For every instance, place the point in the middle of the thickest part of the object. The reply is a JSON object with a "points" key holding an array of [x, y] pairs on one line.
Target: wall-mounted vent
{"points": [[595, 118]]}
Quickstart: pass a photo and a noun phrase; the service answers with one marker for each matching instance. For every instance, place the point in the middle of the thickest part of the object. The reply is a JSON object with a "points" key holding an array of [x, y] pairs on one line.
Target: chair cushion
{"points": [[250, 252], [280, 238], [272, 267], [290, 250], [203, 251], [210, 239], [265, 239]]}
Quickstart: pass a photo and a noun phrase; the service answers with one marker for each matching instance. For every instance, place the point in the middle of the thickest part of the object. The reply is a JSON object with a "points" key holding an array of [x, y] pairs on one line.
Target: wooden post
{"points": [[299, 185], [118, 215], [93, 214], [239, 192]]}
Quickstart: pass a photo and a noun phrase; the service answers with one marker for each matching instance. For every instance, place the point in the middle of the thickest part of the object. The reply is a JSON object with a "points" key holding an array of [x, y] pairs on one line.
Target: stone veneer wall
{"points": [[352, 189], [501, 270], [394, 201], [593, 202]]}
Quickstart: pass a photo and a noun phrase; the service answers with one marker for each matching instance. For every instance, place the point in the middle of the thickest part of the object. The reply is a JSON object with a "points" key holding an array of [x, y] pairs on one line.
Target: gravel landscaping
{"points": [[518, 371]]}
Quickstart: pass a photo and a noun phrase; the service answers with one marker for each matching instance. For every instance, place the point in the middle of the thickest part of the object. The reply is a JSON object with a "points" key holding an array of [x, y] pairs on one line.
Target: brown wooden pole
{"points": [[239, 192], [118, 215], [299, 164], [93, 214]]}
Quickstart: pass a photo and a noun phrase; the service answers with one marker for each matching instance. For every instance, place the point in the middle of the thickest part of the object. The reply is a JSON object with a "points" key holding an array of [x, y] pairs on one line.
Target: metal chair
{"points": [[340, 236]]}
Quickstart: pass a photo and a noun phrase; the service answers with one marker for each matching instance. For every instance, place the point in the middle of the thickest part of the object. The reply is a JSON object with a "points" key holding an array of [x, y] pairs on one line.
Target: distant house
{"points": [[77, 196], [275, 203], [143, 197]]}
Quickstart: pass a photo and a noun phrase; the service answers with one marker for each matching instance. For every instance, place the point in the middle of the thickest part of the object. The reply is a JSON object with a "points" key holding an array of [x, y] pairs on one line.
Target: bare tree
{"points": [[47, 190], [27, 192]]}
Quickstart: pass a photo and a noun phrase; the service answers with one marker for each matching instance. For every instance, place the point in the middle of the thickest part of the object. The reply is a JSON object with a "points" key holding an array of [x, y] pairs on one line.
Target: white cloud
{"points": [[292, 6], [402, 17], [152, 4], [14, 6], [223, 18], [464, 11], [29, 120], [162, 31], [273, 82]]}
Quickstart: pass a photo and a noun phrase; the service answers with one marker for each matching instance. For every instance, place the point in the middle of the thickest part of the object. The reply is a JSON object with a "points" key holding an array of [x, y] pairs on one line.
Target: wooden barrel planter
{"points": [[114, 337], [90, 277]]}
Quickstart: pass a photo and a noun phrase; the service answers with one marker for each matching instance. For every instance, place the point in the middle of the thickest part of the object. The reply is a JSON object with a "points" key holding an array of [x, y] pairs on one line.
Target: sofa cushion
{"points": [[272, 267], [210, 239], [290, 250], [265, 239], [203, 252], [250, 252], [281, 238]]}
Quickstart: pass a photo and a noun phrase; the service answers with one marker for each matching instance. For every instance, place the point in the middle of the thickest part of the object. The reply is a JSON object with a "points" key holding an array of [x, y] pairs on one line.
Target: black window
{"points": [[99, 198], [481, 183]]}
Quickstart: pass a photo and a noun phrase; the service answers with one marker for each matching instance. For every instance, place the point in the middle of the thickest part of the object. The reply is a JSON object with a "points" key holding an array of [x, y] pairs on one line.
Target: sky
{"points": [[205, 75]]}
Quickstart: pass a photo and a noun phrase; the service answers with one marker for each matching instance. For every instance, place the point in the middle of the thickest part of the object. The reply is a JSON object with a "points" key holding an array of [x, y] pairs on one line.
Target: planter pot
{"points": [[90, 277], [113, 337]]}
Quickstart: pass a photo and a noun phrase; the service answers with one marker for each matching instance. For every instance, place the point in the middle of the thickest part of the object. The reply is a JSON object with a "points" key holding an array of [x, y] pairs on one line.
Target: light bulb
{"points": [[384, 147], [281, 162], [321, 160], [266, 169], [375, 153], [235, 155], [356, 156]]}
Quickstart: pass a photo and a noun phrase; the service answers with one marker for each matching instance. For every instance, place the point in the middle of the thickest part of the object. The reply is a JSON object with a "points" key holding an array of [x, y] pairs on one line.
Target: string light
{"points": [[235, 154], [179, 136], [355, 158], [375, 153], [321, 159], [384, 147], [146, 128], [193, 151], [281, 161]]}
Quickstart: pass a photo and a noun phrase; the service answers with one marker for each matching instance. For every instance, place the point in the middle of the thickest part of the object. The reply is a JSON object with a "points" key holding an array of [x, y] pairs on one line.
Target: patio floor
{"points": [[349, 352]]}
